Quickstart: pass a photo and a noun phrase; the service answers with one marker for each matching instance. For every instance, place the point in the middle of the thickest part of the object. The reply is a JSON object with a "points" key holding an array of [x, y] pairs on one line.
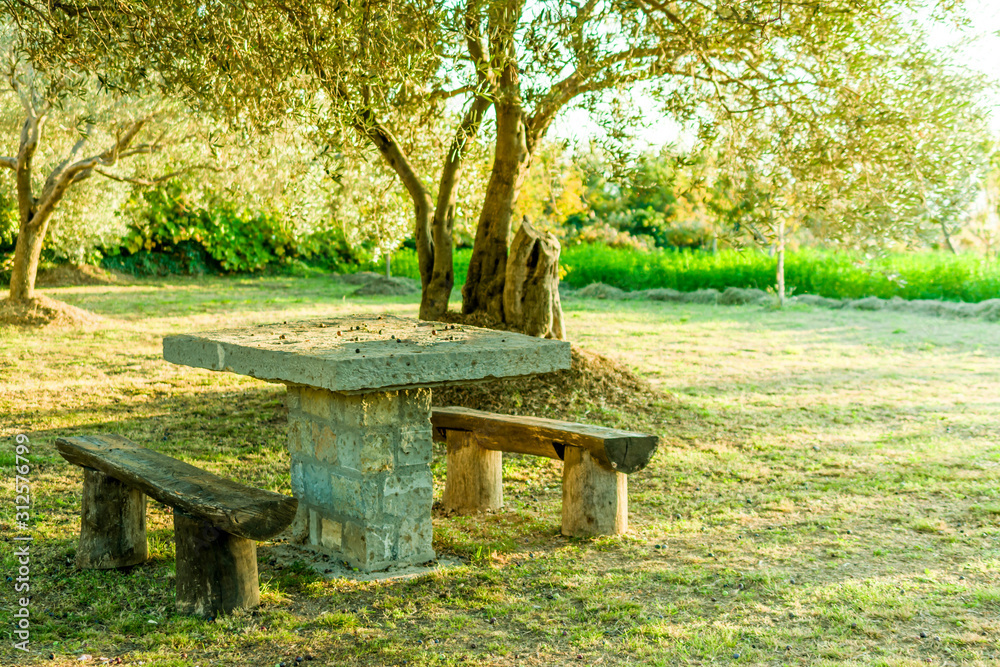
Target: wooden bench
{"points": [[595, 459], [216, 520]]}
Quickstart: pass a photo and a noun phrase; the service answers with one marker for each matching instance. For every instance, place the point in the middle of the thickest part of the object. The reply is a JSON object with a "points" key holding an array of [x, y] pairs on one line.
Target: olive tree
{"points": [[97, 149], [888, 151], [77, 144], [62, 127], [374, 69]]}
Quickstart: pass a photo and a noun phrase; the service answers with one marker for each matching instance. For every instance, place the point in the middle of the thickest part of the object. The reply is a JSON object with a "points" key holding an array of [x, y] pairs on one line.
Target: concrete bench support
{"points": [[361, 471], [595, 500], [474, 480]]}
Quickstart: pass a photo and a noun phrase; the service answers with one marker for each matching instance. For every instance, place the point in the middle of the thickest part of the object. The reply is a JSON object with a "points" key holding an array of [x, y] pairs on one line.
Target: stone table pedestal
{"points": [[359, 405]]}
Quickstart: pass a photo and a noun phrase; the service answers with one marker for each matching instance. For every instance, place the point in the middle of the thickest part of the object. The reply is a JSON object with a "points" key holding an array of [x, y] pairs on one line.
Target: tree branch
{"points": [[693, 43], [68, 173], [387, 144], [583, 13], [159, 179], [574, 84], [9, 162], [473, 36], [503, 21], [30, 134], [447, 191], [446, 94]]}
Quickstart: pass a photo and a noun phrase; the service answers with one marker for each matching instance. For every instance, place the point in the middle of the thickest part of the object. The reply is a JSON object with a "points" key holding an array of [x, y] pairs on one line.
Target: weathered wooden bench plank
{"points": [[237, 509], [621, 451]]}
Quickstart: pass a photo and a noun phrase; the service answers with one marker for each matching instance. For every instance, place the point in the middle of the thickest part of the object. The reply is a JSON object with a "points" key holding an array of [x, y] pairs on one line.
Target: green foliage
{"points": [[185, 258], [643, 222], [838, 275], [831, 274], [168, 235], [404, 264], [651, 186], [894, 151], [660, 199], [8, 233], [603, 233], [236, 239]]}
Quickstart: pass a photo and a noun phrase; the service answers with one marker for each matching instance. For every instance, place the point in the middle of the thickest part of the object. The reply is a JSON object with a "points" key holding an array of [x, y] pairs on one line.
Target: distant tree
{"points": [[651, 183], [553, 190], [868, 161], [71, 129], [78, 144], [984, 223], [661, 194]]}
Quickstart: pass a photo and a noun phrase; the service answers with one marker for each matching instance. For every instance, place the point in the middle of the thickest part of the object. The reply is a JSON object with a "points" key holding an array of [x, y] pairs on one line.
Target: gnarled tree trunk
{"points": [[27, 252], [531, 291], [483, 291], [948, 243], [32, 226], [387, 144], [433, 222], [441, 280]]}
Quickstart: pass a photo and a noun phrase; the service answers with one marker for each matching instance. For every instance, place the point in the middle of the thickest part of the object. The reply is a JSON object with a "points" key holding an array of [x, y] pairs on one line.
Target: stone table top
{"points": [[368, 353]]}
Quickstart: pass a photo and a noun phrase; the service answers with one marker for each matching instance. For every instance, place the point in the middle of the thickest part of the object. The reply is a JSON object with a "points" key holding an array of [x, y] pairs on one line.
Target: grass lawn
{"points": [[827, 491]]}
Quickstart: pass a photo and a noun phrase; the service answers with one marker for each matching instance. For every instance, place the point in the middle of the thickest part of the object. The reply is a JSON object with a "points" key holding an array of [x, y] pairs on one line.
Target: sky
{"points": [[976, 47], [979, 49]]}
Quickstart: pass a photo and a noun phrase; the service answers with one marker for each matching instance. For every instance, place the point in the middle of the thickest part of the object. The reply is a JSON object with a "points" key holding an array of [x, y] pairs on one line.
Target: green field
{"points": [[827, 492], [840, 275]]}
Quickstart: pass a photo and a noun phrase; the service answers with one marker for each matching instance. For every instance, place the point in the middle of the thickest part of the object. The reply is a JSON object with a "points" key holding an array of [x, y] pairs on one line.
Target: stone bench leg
{"points": [[474, 480], [112, 523], [595, 500], [216, 571]]}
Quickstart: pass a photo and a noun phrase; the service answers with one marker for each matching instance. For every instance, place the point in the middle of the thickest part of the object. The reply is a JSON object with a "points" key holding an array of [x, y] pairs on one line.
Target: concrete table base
{"points": [[361, 471]]}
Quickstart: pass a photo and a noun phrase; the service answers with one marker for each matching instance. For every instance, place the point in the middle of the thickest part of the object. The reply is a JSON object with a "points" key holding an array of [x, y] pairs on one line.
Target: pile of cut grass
{"points": [[593, 382], [42, 311]]}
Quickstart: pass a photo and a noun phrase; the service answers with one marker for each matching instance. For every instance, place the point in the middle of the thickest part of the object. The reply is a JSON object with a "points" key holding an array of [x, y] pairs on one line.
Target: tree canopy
{"points": [[373, 72], [874, 163]]}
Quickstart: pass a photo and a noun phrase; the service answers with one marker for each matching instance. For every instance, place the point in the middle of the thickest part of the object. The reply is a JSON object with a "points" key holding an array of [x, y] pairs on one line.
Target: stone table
{"points": [[359, 406]]}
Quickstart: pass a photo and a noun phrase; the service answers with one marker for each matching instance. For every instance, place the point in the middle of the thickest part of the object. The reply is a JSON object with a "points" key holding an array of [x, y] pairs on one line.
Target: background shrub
{"points": [[170, 236], [842, 275], [838, 275]]}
